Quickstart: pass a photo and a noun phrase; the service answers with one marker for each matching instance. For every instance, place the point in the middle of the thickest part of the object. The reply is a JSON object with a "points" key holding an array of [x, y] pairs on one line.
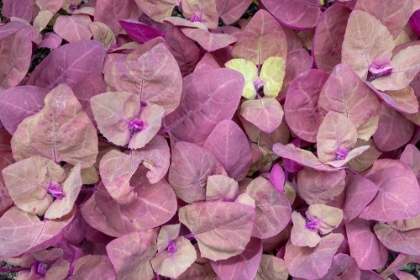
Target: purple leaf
{"points": [[277, 177], [230, 11], [228, 143], [407, 242], [190, 167], [208, 97], [21, 9], [398, 193], [296, 14], [364, 245], [415, 22], [17, 103], [222, 229], [50, 40], [302, 96], [111, 11], [139, 31], [69, 64], [242, 266]]}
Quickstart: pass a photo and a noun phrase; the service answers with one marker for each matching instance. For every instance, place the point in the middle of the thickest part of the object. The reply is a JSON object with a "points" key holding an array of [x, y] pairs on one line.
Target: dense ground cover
{"points": [[218, 139]]}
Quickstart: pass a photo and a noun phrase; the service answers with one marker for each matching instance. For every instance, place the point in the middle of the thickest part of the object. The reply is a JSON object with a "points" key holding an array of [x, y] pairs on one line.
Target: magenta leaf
{"points": [[221, 188], [22, 232], [27, 182], [277, 177], [21, 9], [360, 191], [94, 266], [208, 97], [139, 31], [345, 93], [312, 263], [150, 71], [242, 266], [262, 38], [228, 143], [154, 205], [273, 210], [286, 10], [190, 167], [222, 229], [302, 96], [130, 254], [398, 192], [61, 131], [69, 64], [364, 245], [180, 255], [329, 36], [16, 57], [415, 22], [17, 103]]}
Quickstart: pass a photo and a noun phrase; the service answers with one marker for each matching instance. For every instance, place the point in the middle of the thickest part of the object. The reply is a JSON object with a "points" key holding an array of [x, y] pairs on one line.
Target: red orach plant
{"points": [[206, 145]]}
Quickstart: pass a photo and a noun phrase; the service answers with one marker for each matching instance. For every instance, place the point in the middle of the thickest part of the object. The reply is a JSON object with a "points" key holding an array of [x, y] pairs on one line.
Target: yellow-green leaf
{"points": [[249, 71], [272, 73]]}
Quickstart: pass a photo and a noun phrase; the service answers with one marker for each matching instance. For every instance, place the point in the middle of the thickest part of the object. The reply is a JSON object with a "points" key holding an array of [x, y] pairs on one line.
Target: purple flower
{"points": [[56, 190], [171, 247], [135, 125], [341, 154]]}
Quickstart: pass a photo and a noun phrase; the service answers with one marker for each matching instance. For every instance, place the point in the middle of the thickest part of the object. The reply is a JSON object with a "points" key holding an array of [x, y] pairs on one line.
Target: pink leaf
{"points": [[74, 28], [398, 194], [320, 187], [301, 235], [286, 12], [139, 31], [242, 266], [301, 156], [407, 242], [16, 50], [22, 232], [336, 137], [221, 188], [394, 131], [59, 131], [262, 38], [154, 205], [208, 97], [329, 36], [111, 11], [222, 229], [277, 177], [185, 50], [230, 11], [312, 263], [172, 264], [151, 72], [94, 266], [359, 193], [17, 103], [343, 267], [272, 268], [364, 245], [190, 167], [21, 9], [402, 100], [130, 254], [272, 208], [69, 64], [345, 93], [201, 11], [326, 218], [394, 15], [365, 40], [208, 40], [265, 113], [228, 143], [27, 182], [158, 10], [302, 97], [50, 40], [71, 188], [411, 156]]}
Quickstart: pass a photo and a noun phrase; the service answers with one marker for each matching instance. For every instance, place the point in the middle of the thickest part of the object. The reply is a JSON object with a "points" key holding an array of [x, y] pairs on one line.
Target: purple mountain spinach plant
{"points": [[211, 144]]}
